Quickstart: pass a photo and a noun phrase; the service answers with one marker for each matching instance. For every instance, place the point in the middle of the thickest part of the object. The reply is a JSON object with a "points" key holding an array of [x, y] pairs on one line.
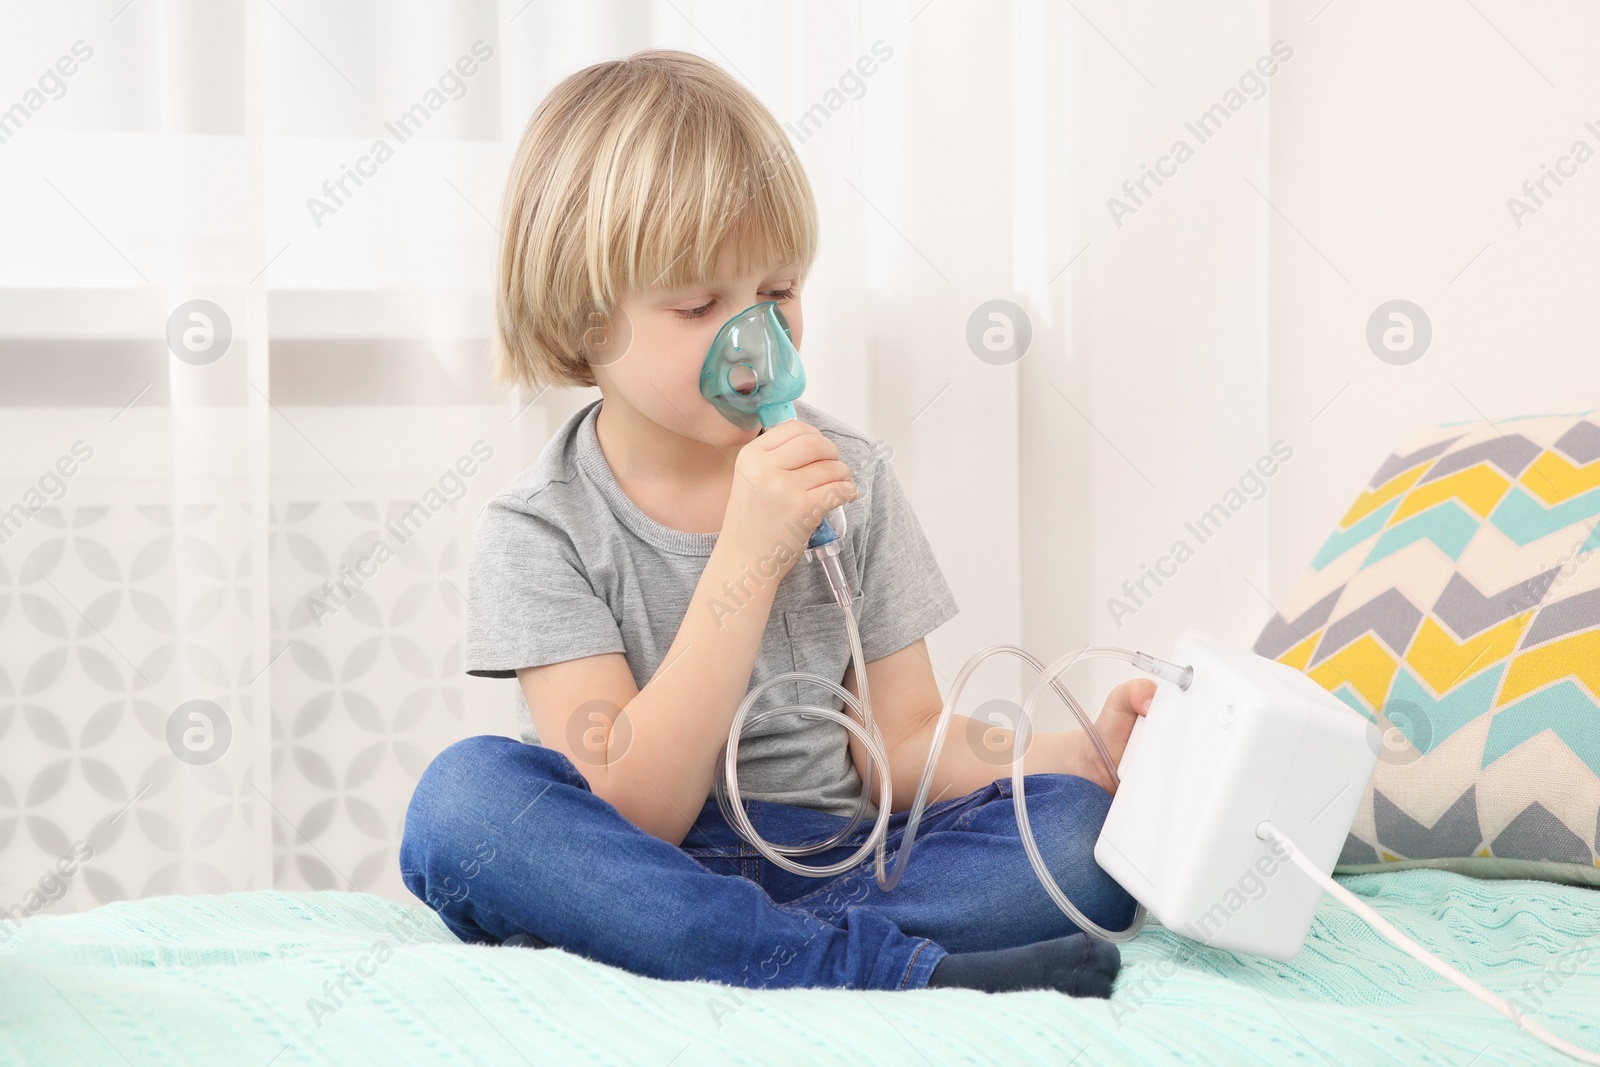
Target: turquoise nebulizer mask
{"points": [[752, 374]]}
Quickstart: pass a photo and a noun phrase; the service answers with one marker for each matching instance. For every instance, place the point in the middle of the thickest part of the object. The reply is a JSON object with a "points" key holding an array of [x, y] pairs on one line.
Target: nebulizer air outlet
{"points": [[1242, 767]]}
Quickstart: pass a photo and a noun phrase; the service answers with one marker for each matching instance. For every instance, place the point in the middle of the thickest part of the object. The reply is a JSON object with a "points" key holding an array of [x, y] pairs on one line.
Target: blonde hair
{"points": [[632, 175]]}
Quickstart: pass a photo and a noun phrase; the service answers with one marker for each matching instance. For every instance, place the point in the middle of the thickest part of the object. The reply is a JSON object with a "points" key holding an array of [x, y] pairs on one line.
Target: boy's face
{"points": [[652, 359]]}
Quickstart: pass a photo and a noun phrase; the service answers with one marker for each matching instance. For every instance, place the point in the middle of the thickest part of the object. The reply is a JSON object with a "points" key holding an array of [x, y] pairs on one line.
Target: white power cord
{"points": [[1267, 831]]}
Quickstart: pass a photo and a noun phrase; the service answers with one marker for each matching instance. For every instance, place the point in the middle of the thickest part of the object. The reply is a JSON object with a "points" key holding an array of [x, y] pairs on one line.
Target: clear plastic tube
{"points": [[732, 807]]}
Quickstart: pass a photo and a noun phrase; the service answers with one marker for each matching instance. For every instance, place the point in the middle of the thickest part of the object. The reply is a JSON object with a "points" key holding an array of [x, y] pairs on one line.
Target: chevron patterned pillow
{"points": [[1458, 606]]}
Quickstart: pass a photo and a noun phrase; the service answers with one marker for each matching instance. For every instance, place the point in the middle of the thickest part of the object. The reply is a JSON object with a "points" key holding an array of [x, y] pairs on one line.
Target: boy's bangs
{"points": [[753, 208]]}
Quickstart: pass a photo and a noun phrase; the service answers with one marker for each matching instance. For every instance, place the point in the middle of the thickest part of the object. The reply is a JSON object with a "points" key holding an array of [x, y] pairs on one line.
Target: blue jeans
{"points": [[507, 842]]}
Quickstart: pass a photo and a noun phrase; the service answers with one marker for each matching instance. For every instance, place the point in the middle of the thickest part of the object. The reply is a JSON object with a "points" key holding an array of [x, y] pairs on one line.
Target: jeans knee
{"points": [[1069, 800], [460, 788], [1065, 814], [451, 772], [471, 759]]}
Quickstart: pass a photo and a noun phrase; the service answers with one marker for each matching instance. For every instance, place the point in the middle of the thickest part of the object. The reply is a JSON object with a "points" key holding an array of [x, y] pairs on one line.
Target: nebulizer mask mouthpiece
{"points": [[752, 373]]}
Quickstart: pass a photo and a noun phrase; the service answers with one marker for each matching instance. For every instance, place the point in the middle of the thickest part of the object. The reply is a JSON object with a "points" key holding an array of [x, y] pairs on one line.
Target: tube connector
{"points": [[828, 556], [1167, 672]]}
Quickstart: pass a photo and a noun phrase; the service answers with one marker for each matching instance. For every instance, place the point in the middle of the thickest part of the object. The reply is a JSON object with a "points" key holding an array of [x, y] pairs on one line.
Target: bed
{"points": [[253, 978]]}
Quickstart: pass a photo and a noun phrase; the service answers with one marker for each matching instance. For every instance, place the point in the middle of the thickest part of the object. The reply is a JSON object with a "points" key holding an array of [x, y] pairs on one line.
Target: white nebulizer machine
{"points": [[1242, 768]]}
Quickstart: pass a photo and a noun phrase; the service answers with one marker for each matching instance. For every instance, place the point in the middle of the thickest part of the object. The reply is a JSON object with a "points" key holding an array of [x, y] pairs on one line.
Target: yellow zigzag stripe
{"points": [[1552, 479], [1443, 664], [1479, 488], [1364, 664], [1367, 502], [1298, 656], [1577, 656]]}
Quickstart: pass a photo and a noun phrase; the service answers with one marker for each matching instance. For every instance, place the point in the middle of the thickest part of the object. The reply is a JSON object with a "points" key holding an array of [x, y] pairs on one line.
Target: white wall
{"points": [[1396, 143], [1220, 318]]}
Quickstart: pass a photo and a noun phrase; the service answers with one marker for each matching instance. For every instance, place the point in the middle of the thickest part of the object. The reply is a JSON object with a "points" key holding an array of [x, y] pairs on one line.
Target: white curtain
{"points": [[242, 344]]}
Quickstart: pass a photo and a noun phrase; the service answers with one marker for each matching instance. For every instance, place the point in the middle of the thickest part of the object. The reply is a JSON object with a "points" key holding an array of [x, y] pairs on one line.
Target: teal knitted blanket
{"points": [[286, 978]]}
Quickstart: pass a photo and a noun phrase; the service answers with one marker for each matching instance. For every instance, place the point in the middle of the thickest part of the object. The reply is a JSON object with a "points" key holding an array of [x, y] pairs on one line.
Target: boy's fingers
{"points": [[1133, 697], [786, 429], [801, 450], [786, 433]]}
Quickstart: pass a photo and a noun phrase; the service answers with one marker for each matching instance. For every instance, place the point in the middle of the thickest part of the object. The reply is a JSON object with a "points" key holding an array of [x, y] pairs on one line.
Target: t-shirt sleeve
{"points": [[903, 592], [529, 602]]}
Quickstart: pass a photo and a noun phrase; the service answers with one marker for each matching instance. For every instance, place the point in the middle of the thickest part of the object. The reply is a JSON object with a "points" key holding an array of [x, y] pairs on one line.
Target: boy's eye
{"points": [[699, 312]]}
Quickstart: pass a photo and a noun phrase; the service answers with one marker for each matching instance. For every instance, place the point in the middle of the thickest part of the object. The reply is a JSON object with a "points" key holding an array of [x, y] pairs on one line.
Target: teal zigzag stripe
{"points": [[1525, 520], [1564, 708], [1342, 541], [1448, 525], [1435, 720]]}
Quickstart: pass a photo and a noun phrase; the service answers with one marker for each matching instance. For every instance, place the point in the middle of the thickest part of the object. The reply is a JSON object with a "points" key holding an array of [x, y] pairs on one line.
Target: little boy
{"points": [[646, 571]]}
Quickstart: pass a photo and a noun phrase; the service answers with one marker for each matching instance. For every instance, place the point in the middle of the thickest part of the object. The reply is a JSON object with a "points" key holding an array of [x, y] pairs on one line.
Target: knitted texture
{"points": [[239, 979]]}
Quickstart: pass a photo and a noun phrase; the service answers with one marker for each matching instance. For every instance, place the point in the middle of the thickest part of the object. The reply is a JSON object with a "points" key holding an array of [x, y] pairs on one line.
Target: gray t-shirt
{"points": [[564, 565]]}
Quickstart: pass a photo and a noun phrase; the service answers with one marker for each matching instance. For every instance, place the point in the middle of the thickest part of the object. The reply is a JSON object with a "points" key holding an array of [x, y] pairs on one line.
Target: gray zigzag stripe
{"points": [[1582, 442], [1389, 614], [1511, 454], [1469, 612], [1537, 834], [1397, 464], [1357, 851], [1456, 833], [1280, 635], [1563, 617]]}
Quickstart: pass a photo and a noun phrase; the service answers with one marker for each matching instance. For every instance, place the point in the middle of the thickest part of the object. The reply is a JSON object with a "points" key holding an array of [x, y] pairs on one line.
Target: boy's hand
{"points": [[784, 482], [1123, 707]]}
